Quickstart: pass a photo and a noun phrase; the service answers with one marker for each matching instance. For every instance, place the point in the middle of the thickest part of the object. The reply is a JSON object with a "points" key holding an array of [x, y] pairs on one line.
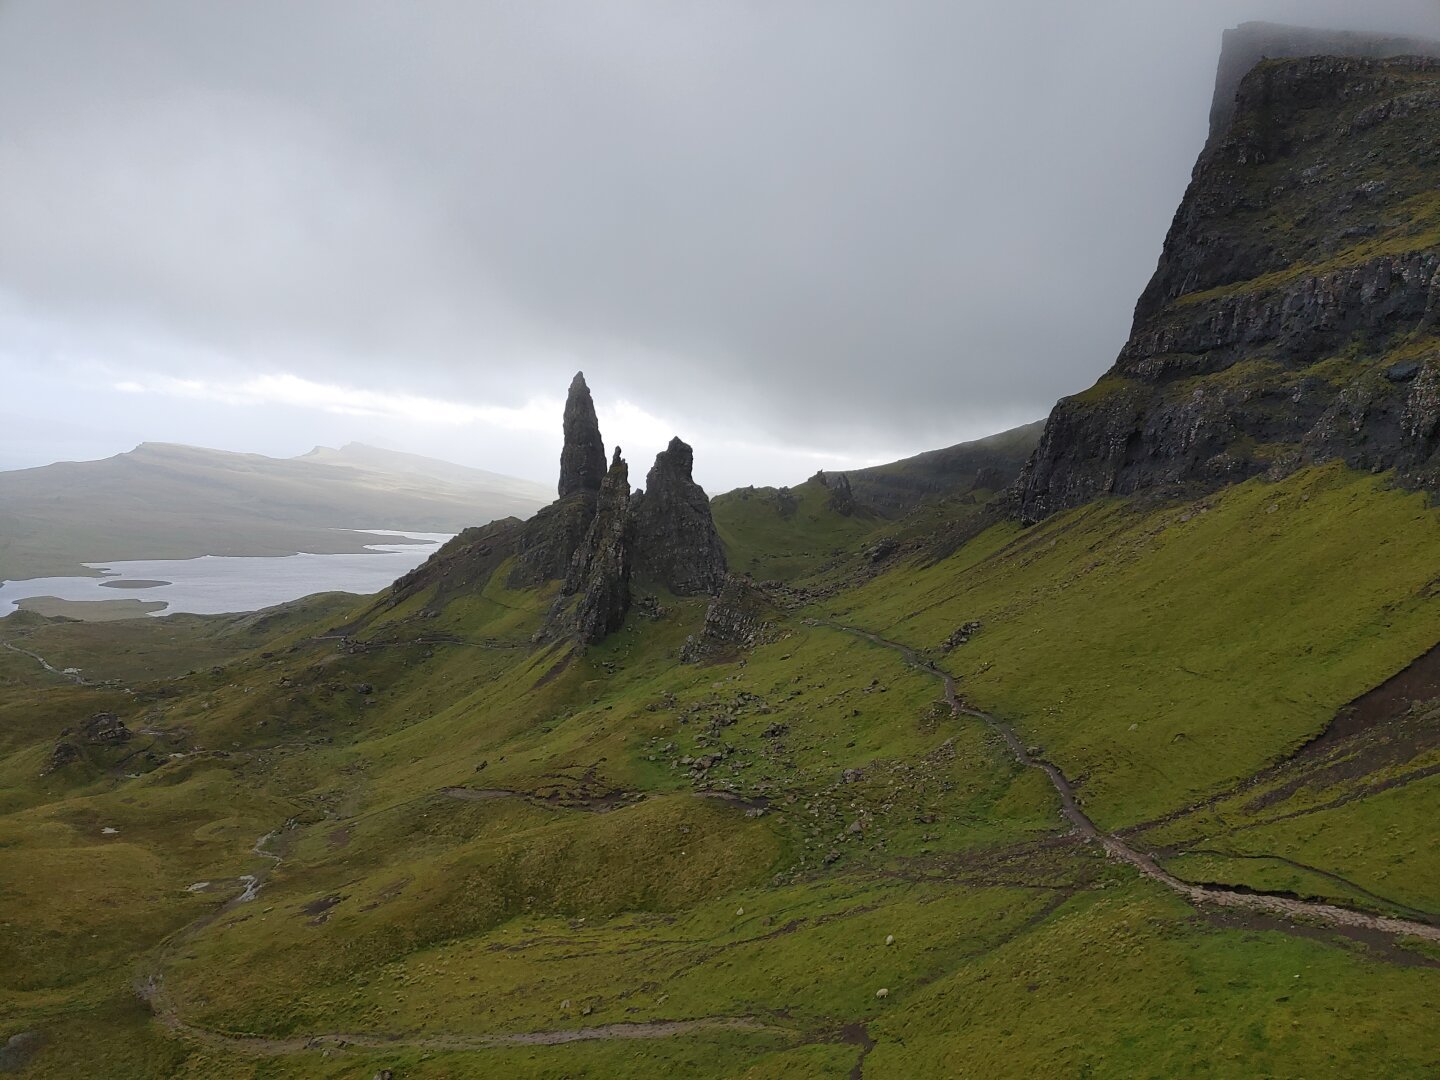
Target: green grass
{"points": [[784, 535], [1162, 656], [1016, 953]]}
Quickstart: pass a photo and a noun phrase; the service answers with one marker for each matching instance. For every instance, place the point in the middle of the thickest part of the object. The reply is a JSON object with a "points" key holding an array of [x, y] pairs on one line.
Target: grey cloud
{"points": [[844, 224]]}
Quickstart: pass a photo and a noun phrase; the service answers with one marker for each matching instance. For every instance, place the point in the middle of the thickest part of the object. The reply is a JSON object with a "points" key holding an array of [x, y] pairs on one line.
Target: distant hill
{"points": [[989, 464], [162, 501]]}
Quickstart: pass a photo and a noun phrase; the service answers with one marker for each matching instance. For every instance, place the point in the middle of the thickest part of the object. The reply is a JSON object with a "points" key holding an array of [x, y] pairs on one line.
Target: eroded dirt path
{"points": [[73, 674], [1117, 848], [152, 989], [260, 1046]]}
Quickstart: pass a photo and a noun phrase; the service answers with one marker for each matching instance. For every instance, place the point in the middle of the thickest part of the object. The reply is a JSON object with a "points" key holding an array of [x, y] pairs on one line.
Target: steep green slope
{"points": [[780, 534], [477, 838], [989, 465], [1225, 631]]}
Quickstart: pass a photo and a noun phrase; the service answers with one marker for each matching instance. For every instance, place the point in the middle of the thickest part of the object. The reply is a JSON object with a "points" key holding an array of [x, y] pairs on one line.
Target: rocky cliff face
{"points": [[1246, 45], [1293, 316], [582, 460], [675, 541], [599, 574]]}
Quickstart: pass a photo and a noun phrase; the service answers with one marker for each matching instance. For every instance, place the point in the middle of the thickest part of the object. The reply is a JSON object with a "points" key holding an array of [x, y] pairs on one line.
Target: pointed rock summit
{"points": [[598, 540], [582, 461], [676, 544], [663, 537]]}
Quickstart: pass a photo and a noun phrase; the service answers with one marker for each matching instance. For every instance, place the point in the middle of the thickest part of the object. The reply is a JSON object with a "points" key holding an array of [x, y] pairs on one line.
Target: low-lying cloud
{"points": [[795, 234]]}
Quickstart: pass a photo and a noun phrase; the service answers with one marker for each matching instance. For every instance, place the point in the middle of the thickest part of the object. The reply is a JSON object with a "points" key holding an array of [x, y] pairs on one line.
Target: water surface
{"points": [[213, 584]]}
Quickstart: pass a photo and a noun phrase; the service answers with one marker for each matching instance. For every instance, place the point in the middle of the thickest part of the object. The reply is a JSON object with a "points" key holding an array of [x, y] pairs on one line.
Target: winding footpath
{"points": [[152, 987], [1117, 848], [73, 674], [153, 990]]}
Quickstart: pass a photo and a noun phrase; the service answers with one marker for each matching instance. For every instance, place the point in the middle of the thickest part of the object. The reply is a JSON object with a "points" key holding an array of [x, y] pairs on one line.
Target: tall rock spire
{"points": [[582, 461]]}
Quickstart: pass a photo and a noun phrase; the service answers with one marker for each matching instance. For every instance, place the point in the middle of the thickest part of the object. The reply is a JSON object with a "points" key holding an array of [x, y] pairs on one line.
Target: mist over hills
{"points": [[164, 501]]}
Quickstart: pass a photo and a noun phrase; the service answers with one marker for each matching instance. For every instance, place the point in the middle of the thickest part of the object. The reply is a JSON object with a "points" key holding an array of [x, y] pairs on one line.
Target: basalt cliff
{"points": [[1293, 315]]}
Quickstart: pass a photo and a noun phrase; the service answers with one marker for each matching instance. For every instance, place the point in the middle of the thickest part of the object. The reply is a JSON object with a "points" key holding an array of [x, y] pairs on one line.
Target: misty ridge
{"points": [[806, 237]]}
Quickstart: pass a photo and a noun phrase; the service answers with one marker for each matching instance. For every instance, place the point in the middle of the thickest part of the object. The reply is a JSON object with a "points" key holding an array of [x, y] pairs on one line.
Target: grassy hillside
{"points": [[471, 849], [782, 534], [987, 464]]}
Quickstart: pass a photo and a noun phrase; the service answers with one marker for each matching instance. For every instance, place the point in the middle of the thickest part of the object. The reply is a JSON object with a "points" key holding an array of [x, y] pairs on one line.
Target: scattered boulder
{"points": [[105, 729], [19, 1049], [63, 754], [961, 635], [882, 550]]}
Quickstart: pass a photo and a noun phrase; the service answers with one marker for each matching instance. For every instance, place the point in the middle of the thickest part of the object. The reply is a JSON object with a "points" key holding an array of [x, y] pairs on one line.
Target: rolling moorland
{"points": [[163, 501], [1113, 754]]}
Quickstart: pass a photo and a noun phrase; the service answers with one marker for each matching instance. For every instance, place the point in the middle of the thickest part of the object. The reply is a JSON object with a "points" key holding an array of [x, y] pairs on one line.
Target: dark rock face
{"points": [[551, 539], [582, 461], [675, 541], [1246, 45], [842, 496], [595, 539], [735, 621], [596, 593], [1299, 262]]}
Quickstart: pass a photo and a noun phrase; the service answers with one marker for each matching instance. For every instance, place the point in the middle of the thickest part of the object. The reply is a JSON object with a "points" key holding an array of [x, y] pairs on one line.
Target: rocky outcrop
{"points": [[842, 495], [596, 594], [596, 539], [582, 459], [550, 540], [1299, 272], [674, 535], [738, 619], [1246, 45], [105, 730]]}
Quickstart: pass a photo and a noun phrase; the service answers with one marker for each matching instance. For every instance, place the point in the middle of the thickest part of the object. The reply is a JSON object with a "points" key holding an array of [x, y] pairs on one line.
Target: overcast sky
{"points": [[797, 234]]}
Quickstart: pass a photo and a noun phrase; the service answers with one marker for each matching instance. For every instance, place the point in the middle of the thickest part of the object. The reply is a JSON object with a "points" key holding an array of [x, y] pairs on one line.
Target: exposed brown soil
{"points": [[1418, 681], [1376, 943], [1379, 729]]}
